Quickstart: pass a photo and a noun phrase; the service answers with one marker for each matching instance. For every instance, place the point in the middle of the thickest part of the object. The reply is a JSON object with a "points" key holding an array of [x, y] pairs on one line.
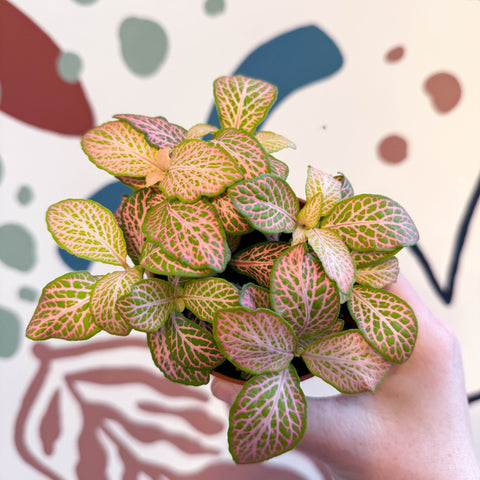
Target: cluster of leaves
{"points": [[194, 199]]}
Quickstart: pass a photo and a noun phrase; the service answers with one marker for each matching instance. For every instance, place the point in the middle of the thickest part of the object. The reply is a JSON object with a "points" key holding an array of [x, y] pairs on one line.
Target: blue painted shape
{"points": [[291, 61], [110, 197]]}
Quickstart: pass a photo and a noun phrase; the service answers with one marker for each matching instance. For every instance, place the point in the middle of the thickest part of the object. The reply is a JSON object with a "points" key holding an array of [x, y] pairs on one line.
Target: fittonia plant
{"points": [[194, 203]]}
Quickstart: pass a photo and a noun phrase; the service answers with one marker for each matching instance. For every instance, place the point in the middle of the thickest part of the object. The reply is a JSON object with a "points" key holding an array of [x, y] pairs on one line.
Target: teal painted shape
{"points": [[10, 333]]}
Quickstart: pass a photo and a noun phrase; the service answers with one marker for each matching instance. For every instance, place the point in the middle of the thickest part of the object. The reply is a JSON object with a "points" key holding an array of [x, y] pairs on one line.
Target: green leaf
{"points": [[301, 292], [200, 130], [205, 296], [386, 321], [273, 142], [257, 261], [268, 202], [245, 149], [156, 260], [256, 341], [242, 102], [253, 297], [120, 150], [372, 222], [190, 232], [169, 365], [191, 345], [335, 257], [321, 182], [148, 305], [347, 362], [88, 230], [268, 417], [199, 168], [379, 275], [278, 168], [233, 222], [132, 214], [367, 259], [158, 131], [310, 214], [104, 298], [63, 309]]}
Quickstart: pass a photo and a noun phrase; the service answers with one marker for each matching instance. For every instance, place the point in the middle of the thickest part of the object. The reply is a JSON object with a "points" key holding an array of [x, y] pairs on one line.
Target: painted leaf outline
{"points": [[268, 417], [88, 230], [63, 310]]}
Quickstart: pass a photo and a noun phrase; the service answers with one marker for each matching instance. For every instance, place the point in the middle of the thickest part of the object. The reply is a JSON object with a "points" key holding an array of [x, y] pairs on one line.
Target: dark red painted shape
{"points": [[31, 89]]}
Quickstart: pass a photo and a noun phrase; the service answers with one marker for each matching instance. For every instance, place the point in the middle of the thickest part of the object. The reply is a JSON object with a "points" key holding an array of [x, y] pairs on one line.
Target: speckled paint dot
{"points": [[69, 67], [393, 149], [29, 294], [144, 45], [214, 7], [17, 247], [25, 195], [395, 54], [444, 91], [10, 336]]}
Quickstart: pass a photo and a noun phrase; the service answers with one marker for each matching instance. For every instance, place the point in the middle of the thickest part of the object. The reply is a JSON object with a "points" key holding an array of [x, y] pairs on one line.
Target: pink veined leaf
{"points": [[368, 259], [386, 321], [254, 297], [197, 169], [88, 230], [132, 215], [233, 222], [268, 417], [63, 310], [324, 183], [278, 168], [200, 130], [257, 261], [379, 275], [120, 150], [346, 190], [157, 130], [333, 328], [268, 202], [189, 232], [347, 362], [169, 365], [191, 345], [156, 260], [301, 292], [245, 149], [256, 341], [205, 296], [104, 297], [148, 305], [335, 257], [273, 142], [310, 214], [371, 222], [135, 183], [243, 102]]}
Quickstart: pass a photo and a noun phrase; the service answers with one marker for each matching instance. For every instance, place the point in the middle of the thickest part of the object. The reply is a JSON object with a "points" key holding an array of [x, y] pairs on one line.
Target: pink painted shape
{"points": [[395, 54], [444, 90], [393, 149]]}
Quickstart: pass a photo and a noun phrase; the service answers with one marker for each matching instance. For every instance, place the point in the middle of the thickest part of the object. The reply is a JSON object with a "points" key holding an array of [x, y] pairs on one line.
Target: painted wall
{"points": [[386, 93]]}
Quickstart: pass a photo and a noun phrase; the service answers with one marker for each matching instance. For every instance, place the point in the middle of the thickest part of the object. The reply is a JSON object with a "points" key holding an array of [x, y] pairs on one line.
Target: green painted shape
{"points": [[1, 161], [17, 247], [144, 45], [29, 294], [10, 336], [25, 195], [214, 7], [85, 2], [69, 67]]}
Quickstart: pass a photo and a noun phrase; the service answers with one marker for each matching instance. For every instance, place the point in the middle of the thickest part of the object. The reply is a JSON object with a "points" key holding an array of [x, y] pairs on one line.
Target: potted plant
{"points": [[225, 269]]}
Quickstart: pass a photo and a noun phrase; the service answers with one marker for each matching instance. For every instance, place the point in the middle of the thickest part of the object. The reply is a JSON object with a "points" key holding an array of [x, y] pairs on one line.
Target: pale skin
{"points": [[415, 425]]}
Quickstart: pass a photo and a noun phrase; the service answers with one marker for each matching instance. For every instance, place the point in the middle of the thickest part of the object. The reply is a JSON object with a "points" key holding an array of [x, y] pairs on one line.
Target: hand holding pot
{"points": [[415, 425]]}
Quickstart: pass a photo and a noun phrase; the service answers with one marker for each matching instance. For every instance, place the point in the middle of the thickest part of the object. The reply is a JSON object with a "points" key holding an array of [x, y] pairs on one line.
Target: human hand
{"points": [[414, 426]]}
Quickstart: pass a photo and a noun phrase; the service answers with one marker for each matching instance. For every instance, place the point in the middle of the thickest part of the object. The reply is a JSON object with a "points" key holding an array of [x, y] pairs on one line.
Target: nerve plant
{"points": [[199, 196]]}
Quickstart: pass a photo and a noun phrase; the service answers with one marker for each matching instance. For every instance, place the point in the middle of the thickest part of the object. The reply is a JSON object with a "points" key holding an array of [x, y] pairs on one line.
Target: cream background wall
{"points": [[337, 123]]}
